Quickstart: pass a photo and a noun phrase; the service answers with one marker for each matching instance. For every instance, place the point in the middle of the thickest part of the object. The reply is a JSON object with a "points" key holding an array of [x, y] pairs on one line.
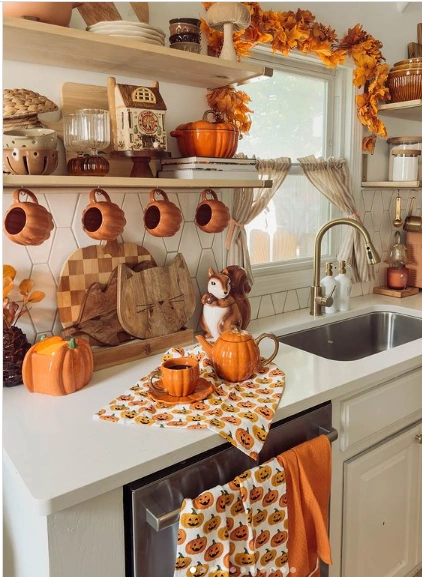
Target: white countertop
{"points": [[57, 451]]}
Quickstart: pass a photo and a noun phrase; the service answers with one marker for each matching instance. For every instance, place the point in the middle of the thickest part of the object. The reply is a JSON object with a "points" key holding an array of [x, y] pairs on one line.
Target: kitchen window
{"points": [[302, 110]]}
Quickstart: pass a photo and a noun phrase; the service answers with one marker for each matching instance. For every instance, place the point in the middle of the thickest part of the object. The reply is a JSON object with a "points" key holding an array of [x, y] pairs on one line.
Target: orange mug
{"points": [[27, 223], [211, 215], [162, 217], [177, 377], [102, 220]]}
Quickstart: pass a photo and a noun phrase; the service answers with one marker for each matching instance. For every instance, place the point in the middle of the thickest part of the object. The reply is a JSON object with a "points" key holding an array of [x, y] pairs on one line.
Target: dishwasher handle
{"points": [[160, 519]]}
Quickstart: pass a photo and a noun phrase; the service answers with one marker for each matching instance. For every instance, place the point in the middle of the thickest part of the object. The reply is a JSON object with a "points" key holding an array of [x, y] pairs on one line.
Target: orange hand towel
{"points": [[308, 481]]}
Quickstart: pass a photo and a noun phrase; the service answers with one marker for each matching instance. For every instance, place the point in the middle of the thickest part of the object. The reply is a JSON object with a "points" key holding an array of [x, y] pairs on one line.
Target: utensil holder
{"points": [[162, 217], [211, 215], [27, 223], [102, 220]]}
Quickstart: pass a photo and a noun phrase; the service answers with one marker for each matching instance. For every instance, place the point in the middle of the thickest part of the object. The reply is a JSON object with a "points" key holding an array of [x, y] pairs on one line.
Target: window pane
{"points": [[286, 229], [289, 119]]}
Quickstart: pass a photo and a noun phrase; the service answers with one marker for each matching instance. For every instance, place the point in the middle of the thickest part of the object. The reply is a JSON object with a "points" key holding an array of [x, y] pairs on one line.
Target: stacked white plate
{"points": [[126, 29]]}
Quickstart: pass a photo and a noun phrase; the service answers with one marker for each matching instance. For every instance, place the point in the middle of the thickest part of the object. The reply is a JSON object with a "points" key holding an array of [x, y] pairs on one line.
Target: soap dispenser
{"points": [[344, 288], [397, 273], [329, 287]]}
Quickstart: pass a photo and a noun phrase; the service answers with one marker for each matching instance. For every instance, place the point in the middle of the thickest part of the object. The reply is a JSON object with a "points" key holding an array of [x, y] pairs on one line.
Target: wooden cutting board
{"points": [[89, 265], [156, 301]]}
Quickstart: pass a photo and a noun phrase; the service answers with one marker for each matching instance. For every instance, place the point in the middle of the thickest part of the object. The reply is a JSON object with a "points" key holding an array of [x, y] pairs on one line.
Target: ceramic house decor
{"points": [[137, 117]]}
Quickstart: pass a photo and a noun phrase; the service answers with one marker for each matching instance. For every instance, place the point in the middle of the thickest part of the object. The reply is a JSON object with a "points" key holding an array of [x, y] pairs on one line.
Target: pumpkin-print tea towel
{"points": [[240, 412], [237, 529]]}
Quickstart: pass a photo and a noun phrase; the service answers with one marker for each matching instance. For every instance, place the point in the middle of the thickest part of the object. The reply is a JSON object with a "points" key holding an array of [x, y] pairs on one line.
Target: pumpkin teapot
{"points": [[235, 355]]}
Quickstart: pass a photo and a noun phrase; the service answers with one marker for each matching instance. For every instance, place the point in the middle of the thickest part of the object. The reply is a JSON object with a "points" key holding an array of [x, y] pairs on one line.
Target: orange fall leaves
{"points": [[286, 31]]}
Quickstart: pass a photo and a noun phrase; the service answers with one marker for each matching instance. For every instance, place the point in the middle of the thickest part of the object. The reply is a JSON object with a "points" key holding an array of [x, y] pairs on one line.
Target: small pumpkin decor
{"points": [[27, 223], [211, 215], [217, 138], [161, 217], [102, 220], [54, 366]]}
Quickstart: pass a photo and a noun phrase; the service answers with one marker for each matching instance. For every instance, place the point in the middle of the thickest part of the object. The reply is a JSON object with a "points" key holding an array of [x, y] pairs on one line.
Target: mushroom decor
{"points": [[22, 106], [228, 17]]}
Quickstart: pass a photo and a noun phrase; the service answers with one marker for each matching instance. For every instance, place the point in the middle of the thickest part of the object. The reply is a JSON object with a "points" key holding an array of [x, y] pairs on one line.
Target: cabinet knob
{"points": [[419, 439]]}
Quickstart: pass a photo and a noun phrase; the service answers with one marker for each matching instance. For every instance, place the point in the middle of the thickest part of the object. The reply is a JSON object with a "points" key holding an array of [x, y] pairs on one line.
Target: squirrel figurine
{"points": [[225, 303]]}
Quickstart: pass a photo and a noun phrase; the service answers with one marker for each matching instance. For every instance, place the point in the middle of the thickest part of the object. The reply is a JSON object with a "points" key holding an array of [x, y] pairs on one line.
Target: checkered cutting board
{"points": [[88, 265]]}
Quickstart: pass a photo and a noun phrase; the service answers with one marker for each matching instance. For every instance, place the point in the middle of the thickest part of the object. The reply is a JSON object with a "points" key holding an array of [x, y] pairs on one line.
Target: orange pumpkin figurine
{"points": [[54, 366]]}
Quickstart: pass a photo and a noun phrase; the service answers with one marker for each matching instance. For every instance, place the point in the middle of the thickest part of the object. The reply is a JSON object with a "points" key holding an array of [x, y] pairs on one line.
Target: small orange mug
{"points": [[177, 377], [212, 215], [102, 220], [27, 223]]}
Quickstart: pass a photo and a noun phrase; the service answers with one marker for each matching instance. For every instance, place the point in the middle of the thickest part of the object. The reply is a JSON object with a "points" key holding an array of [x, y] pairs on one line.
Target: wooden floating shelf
{"points": [[391, 184], [40, 43], [124, 183], [407, 110]]}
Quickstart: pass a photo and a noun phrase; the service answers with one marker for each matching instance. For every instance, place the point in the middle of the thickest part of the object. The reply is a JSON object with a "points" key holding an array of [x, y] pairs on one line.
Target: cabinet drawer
{"points": [[371, 412]]}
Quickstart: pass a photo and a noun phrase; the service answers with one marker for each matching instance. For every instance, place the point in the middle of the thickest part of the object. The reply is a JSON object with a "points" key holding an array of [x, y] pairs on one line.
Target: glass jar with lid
{"points": [[405, 164], [405, 142]]}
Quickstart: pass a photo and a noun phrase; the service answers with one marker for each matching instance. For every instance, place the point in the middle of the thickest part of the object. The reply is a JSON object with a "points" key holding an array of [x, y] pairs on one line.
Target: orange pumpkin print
{"points": [[212, 524], [279, 538], [262, 538], [259, 517], [182, 561], [276, 517], [191, 520], [263, 473], [270, 497], [214, 551], [204, 500], [196, 546], [181, 536], [244, 438], [240, 533]]}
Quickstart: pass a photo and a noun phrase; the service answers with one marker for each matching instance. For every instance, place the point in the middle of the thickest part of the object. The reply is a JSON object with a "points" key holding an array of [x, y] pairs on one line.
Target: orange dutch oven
{"points": [[204, 138]]}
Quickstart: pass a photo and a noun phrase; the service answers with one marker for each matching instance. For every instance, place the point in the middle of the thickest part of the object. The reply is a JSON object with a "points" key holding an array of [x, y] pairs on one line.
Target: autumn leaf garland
{"points": [[286, 31]]}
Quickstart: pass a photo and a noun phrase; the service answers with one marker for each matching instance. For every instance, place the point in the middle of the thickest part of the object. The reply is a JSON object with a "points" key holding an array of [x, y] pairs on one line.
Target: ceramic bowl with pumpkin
{"points": [[207, 139]]}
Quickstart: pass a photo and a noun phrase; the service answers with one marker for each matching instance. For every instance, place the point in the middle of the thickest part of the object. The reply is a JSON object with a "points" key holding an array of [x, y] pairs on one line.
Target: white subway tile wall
{"points": [[201, 250]]}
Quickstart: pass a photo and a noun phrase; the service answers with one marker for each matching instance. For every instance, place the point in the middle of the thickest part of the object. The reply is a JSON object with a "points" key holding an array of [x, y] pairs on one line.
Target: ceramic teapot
{"points": [[235, 355]]}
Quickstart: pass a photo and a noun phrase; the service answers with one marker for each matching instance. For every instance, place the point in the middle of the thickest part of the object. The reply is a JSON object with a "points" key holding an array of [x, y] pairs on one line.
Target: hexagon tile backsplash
{"points": [[201, 250]]}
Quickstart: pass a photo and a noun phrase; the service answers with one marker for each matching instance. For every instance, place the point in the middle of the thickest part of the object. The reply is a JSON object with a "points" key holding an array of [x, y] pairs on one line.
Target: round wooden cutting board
{"points": [[89, 265]]}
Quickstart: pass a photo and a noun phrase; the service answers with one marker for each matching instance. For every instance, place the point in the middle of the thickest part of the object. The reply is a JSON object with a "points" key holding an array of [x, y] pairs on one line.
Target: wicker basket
{"points": [[21, 108]]}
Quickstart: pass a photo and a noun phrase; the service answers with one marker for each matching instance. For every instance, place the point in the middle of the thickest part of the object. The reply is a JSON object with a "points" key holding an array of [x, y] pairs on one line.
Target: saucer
{"points": [[202, 390]]}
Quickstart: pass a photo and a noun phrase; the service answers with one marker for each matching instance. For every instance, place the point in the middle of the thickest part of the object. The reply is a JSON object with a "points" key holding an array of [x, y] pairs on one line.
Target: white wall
{"points": [[381, 19]]}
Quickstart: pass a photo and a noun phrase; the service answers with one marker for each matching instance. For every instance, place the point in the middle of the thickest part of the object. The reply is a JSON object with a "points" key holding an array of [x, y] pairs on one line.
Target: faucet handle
{"points": [[326, 301]]}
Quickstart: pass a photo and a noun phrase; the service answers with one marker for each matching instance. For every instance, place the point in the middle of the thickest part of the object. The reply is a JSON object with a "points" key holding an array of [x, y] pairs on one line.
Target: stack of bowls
{"points": [[405, 80], [30, 151], [185, 34]]}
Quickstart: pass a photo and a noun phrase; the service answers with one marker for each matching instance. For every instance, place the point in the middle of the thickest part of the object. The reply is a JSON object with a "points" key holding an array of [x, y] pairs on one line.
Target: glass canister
{"points": [[405, 164], [405, 142], [397, 272]]}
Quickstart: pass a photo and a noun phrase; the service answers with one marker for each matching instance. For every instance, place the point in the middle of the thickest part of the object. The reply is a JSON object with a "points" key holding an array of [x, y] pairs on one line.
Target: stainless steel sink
{"points": [[357, 337]]}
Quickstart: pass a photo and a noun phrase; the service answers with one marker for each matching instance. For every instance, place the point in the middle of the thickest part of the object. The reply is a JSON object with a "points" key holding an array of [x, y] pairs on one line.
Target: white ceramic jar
{"points": [[405, 164], [405, 142]]}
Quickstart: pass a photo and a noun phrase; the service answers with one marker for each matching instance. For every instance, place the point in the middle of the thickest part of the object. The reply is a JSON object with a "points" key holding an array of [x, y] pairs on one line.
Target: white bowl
{"points": [[41, 138]]}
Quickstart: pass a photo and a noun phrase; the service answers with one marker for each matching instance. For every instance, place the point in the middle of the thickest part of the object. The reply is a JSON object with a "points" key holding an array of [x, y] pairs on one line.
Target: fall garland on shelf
{"points": [[286, 31]]}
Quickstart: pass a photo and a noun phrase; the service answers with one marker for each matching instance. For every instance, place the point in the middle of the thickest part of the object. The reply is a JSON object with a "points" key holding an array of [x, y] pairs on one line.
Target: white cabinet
{"points": [[376, 499], [383, 508]]}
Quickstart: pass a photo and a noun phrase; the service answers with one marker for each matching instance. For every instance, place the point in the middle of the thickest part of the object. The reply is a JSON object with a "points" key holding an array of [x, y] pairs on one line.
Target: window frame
{"points": [[345, 134]]}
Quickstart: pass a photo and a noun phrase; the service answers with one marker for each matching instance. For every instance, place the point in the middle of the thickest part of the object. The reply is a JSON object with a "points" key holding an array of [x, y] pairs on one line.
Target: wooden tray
{"points": [[407, 292], [89, 265], [105, 357]]}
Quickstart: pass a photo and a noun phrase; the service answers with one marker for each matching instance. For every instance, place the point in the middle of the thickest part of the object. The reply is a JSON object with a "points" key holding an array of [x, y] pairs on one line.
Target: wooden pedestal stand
{"points": [[141, 160]]}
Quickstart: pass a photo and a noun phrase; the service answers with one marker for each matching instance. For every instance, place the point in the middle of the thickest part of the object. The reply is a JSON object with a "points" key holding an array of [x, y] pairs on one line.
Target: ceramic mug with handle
{"points": [[176, 377]]}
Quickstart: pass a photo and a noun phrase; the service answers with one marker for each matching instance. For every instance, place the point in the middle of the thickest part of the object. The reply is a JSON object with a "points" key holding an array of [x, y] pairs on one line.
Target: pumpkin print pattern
{"points": [[240, 412], [236, 529]]}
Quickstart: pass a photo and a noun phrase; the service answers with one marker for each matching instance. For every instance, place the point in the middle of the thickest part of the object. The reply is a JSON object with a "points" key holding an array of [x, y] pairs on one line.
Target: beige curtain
{"points": [[248, 203], [332, 178]]}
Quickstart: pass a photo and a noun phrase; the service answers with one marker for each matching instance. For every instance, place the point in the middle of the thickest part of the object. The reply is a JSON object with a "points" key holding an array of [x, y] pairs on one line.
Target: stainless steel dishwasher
{"points": [[152, 504]]}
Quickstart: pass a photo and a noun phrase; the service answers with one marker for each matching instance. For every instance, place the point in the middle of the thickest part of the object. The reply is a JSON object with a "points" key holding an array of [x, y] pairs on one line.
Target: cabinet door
{"points": [[382, 508]]}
